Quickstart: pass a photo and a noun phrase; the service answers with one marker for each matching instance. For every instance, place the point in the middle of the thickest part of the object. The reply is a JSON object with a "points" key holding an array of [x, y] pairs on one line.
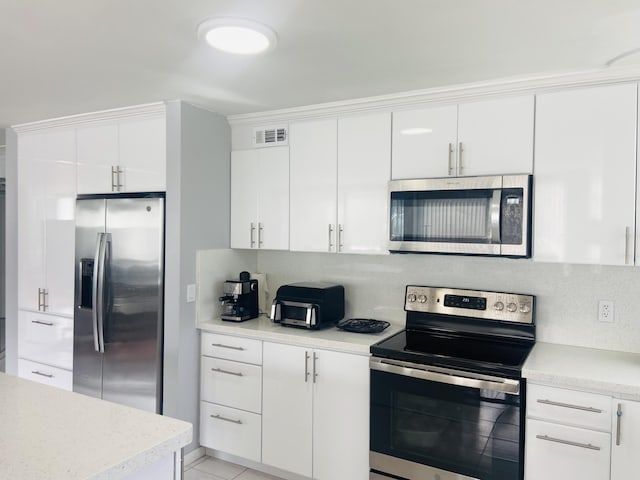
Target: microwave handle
{"points": [[494, 212], [276, 312]]}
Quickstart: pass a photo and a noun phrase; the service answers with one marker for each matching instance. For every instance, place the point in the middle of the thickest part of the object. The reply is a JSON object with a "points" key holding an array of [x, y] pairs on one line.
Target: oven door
{"points": [[438, 423]]}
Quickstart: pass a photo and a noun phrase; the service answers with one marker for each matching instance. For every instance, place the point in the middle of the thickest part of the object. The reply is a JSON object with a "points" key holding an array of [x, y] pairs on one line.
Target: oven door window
{"points": [[458, 429]]}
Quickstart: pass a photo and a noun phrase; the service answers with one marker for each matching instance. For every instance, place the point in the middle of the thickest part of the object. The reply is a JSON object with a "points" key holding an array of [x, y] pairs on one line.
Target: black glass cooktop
{"points": [[474, 353]]}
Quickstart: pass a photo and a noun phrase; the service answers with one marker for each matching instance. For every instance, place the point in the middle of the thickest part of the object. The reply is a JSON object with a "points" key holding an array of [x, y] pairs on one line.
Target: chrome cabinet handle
{"points": [[618, 421], [260, 229], [40, 322], [36, 372], [39, 299], [315, 373], [460, 164], [627, 246], [219, 370], [568, 442], [252, 234], [330, 237], [306, 366], [119, 185], [114, 182], [569, 405], [45, 298], [340, 232], [218, 417], [450, 164], [227, 346]]}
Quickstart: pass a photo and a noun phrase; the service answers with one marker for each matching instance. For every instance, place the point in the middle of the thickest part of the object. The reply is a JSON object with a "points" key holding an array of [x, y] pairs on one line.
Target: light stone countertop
{"points": [[330, 338], [588, 369], [49, 433]]}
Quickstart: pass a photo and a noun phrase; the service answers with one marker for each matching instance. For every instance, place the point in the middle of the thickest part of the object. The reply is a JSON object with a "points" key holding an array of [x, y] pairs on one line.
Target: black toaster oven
{"points": [[308, 305]]}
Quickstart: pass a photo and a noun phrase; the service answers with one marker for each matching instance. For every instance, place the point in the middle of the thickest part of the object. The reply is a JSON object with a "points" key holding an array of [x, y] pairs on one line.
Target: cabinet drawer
{"points": [[46, 338], [231, 348], [229, 430], [558, 451], [38, 372], [569, 407], [234, 384]]}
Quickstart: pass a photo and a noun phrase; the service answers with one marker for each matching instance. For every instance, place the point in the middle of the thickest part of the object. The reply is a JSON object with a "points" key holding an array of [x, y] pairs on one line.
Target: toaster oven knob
{"points": [[422, 298], [511, 307], [525, 308], [411, 297], [499, 306]]}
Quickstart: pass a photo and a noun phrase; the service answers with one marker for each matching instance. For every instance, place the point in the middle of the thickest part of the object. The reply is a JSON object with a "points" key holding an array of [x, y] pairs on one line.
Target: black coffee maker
{"points": [[240, 299]]}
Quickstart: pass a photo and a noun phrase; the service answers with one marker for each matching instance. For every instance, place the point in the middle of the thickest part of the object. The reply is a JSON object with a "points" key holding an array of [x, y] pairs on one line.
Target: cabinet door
{"points": [[364, 164], [31, 227], [97, 149], [625, 448], [424, 142], [286, 408], [313, 157], [495, 137], [142, 154], [273, 198], [557, 451], [341, 416], [585, 175], [244, 198]]}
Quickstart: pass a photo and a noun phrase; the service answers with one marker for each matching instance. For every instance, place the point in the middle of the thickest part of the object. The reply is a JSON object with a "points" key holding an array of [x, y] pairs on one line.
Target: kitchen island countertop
{"points": [[49, 433], [586, 369], [331, 338]]}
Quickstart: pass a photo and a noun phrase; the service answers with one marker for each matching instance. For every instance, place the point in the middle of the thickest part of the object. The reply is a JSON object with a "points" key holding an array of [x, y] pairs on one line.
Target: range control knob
{"points": [[422, 298], [411, 297], [499, 306], [525, 308], [512, 307]]}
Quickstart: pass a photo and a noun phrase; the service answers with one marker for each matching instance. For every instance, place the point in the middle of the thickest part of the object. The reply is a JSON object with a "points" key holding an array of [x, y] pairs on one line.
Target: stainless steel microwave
{"points": [[489, 215]]}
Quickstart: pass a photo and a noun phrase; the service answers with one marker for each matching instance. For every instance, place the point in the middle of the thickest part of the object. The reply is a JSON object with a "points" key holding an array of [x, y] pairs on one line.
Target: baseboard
{"points": [[193, 455]]}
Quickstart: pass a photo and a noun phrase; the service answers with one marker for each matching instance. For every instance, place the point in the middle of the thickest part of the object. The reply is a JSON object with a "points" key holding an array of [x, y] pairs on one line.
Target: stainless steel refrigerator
{"points": [[119, 298]]}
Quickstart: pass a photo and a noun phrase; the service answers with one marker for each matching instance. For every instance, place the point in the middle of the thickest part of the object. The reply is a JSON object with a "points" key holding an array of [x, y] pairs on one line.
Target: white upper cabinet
{"points": [[260, 198], [339, 175], [364, 170], [46, 230], [491, 137], [585, 175], [313, 202], [124, 155]]}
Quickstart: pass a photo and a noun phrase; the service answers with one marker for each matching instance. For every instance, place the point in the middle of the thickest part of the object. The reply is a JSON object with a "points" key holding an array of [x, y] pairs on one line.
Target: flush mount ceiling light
{"points": [[237, 35]]}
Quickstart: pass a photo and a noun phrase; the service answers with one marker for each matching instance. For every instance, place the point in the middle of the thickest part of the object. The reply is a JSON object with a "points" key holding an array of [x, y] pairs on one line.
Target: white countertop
{"points": [[588, 369], [329, 338], [48, 433]]}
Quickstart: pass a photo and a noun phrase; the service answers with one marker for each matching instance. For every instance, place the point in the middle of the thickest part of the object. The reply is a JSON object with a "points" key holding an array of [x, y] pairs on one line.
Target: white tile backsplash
{"points": [[566, 295]]}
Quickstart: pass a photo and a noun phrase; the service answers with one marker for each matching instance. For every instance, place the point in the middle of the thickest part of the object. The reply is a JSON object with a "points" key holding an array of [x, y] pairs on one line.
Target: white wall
{"points": [[198, 196], [567, 295]]}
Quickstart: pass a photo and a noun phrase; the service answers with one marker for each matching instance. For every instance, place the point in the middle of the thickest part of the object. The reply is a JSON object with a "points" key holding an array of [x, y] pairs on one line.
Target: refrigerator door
{"points": [[134, 296], [90, 236]]}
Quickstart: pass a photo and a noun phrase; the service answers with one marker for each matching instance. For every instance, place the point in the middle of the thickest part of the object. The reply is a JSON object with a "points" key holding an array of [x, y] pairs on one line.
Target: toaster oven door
{"points": [[297, 314]]}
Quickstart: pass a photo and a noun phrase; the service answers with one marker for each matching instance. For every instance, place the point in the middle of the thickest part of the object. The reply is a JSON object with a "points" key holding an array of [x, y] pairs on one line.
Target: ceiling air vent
{"points": [[271, 136]]}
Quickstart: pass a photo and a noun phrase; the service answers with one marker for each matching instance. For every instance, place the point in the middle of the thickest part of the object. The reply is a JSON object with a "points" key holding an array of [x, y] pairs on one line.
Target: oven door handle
{"points": [[446, 375]]}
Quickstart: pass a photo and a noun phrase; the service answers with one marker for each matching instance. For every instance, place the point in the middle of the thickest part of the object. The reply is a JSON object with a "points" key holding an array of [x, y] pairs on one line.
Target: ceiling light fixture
{"points": [[237, 35]]}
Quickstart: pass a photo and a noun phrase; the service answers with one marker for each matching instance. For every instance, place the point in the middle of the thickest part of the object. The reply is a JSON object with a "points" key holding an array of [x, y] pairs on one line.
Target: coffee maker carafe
{"points": [[240, 299]]}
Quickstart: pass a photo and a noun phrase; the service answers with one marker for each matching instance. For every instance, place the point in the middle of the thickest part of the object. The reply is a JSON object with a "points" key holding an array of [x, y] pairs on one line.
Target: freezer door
{"points": [[87, 359], [133, 326]]}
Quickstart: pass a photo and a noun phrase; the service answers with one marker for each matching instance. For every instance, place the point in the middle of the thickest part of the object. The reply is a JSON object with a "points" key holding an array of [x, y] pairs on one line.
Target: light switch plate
{"points": [[191, 293]]}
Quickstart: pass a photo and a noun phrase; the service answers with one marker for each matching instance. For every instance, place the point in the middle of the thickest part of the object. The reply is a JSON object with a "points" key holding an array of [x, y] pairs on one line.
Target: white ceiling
{"points": [[73, 56]]}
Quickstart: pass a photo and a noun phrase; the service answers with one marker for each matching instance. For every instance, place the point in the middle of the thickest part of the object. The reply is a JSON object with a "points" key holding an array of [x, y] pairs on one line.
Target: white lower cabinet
{"points": [[42, 373], [231, 395], [625, 439], [315, 416]]}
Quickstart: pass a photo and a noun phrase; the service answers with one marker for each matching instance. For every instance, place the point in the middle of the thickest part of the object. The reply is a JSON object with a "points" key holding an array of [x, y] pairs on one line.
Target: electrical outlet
{"points": [[191, 292], [606, 311]]}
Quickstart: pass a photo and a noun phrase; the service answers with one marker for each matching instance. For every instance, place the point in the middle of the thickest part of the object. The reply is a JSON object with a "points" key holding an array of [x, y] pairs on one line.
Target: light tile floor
{"points": [[208, 468]]}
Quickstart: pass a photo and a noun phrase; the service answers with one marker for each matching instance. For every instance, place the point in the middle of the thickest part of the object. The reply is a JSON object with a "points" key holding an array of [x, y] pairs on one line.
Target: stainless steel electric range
{"points": [[447, 394]]}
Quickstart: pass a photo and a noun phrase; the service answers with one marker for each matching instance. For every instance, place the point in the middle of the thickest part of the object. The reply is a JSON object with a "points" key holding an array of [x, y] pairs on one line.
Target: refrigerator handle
{"points": [[98, 294]]}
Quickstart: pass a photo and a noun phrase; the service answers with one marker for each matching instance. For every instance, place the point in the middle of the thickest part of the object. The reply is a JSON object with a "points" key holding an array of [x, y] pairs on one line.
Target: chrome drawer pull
{"points": [[568, 442], [237, 374], [36, 372], [618, 418], [568, 405], [40, 322], [231, 347], [218, 417]]}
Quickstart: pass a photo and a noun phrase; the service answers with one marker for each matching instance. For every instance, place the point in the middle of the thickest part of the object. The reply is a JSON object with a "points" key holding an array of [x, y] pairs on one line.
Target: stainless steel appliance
{"points": [[469, 215], [119, 297], [308, 305], [447, 394], [240, 299]]}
